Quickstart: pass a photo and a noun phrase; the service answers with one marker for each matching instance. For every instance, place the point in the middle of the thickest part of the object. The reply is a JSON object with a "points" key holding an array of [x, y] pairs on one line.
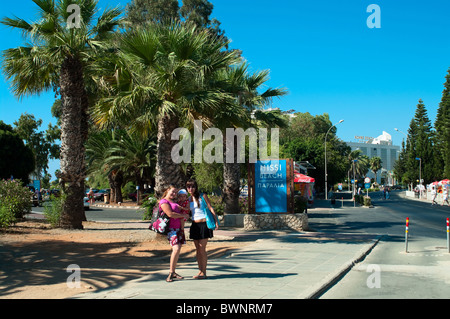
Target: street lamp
{"points": [[407, 140], [326, 175], [420, 176]]}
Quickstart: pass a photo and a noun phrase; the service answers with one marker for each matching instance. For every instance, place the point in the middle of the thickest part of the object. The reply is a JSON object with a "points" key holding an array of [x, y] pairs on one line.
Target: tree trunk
{"points": [[74, 130], [231, 182], [167, 172], [115, 180]]}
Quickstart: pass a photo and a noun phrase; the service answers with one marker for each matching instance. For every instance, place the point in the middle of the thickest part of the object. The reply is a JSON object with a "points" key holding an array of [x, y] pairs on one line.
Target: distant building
{"points": [[382, 147]]}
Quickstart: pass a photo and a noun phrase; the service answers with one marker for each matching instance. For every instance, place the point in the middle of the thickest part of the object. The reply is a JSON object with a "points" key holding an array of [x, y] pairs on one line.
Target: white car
{"points": [[86, 203]]}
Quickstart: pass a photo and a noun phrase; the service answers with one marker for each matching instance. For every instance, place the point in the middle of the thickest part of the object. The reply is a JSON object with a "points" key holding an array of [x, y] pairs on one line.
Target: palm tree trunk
{"points": [[167, 172], [115, 180], [74, 129], [231, 182]]}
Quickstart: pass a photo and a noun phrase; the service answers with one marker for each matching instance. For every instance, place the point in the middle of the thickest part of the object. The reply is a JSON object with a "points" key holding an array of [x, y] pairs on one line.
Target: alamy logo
{"points": [[74, 20], [374, 279], [74, 279], [214, 151], [374, 20]]}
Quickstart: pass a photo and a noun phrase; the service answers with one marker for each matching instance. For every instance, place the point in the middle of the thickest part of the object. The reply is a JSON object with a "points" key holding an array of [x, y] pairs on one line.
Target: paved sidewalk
{"points": [[278, 265]]}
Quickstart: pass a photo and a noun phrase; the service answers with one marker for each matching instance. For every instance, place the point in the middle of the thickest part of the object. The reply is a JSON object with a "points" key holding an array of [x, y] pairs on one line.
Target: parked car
{"points": [[99, 195], [145, 194]]}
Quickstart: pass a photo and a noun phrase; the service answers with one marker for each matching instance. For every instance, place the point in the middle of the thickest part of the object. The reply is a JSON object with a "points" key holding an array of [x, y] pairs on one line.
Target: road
{"points": [[388, 271], [105, 214]]}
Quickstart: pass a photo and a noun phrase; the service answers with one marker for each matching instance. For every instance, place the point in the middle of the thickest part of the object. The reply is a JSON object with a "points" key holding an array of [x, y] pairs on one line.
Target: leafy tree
{"points": [[16, 159], [59, 55], [442, 126], [303, 140], [420, 136], [140, 12], [196, 12], [42, 144]]}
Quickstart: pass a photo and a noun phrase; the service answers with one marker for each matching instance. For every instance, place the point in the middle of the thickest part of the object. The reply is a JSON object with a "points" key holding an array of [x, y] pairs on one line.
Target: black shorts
{"points": [[200, 231]]}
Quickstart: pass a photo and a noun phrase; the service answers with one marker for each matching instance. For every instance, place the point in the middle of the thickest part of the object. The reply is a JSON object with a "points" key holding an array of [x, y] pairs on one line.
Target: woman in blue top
{"points": [[199, 231]]}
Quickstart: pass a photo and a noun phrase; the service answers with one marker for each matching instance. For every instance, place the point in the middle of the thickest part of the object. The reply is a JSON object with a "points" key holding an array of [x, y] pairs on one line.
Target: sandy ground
{"points": [[34, 257]]}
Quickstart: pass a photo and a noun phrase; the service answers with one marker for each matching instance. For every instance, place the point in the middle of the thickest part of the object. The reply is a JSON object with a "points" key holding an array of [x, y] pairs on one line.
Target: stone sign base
{"points": [[276, 221]]}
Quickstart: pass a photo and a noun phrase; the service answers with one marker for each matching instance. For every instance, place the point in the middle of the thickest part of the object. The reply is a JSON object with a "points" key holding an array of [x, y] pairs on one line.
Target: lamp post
{"points": [[354, 182], [407, 140], [420, 176], [326, 175]]}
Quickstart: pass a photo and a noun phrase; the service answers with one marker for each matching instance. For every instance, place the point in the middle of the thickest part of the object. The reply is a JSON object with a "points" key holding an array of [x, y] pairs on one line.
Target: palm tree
{"points": [[244, 87], [98, 150], [375, 165], [164, 74], [134, 156], [359, 162], [59, 57]]}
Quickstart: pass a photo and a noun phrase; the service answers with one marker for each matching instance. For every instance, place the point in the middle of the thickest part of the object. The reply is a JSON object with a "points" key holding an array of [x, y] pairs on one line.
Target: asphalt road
{"points": [[105, 214], [389, 271]]}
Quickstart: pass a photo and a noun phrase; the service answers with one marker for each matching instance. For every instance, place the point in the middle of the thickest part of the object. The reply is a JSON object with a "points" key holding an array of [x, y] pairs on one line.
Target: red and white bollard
{"points": [[406, 234], [448, 241]]}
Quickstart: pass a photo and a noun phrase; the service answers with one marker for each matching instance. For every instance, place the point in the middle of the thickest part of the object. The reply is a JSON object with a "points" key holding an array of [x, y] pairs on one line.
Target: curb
{"points": [[114, 206], [319, 289]]}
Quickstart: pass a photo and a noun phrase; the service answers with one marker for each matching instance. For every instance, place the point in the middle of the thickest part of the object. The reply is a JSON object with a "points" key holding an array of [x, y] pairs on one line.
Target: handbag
{"points": [[160, 224], [210, 220]]}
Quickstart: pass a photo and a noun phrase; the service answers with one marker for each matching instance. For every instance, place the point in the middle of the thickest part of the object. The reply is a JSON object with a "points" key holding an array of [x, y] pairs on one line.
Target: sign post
{"points": [[367, 184], [406, 234]]}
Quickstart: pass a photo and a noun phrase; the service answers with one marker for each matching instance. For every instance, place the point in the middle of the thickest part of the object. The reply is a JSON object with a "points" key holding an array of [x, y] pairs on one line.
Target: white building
{"points": [[382, 147]]}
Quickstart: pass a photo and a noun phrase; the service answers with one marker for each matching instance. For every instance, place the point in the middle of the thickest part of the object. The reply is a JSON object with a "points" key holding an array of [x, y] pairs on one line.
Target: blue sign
{"points": [[270, 186], [367, 185]]}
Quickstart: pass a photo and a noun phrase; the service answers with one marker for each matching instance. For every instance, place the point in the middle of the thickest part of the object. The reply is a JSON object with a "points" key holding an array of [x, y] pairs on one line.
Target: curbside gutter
{"points": [[321, 287]]}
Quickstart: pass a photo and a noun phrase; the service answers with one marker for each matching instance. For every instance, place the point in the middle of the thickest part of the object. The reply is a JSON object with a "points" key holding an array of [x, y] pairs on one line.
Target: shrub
{"points": [[15, 197], [147, 206], [217, 204], [363, 200], [367, 201], [300, 204], [6, 217], [53, 209]]}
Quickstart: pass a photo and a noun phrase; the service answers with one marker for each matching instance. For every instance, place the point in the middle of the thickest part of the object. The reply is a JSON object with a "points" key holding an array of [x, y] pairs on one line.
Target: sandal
{"points": [[200, 277], [177, 276], [173, 275]]}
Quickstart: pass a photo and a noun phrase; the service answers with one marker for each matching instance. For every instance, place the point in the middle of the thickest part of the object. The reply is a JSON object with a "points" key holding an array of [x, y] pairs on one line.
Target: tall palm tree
{"points": [[359, 162], [165, 73], [59, 56], [375, 165], [245, 86]]}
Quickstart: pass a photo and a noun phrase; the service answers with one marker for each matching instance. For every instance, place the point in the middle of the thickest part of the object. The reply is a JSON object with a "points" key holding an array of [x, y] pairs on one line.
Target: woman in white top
{"points": [[199, 231]]}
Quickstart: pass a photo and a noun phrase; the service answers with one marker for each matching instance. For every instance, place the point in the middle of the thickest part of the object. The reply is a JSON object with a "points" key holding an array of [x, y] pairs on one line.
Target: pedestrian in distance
{"points": [[199, 230], [170, 207], [433, 195], [445, 196], [91, 196]]}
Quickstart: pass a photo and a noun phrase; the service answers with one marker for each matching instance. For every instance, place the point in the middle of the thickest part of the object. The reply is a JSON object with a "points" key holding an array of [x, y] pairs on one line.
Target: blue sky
{"points": [[323, 52]]}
